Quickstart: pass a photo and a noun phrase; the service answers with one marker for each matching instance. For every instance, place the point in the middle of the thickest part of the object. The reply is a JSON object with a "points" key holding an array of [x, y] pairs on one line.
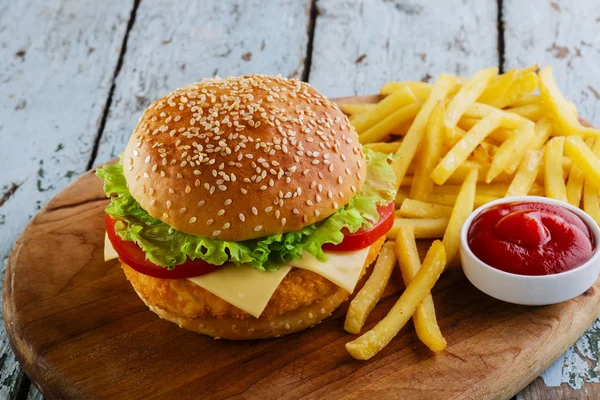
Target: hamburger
{"points": [[245, 207]]}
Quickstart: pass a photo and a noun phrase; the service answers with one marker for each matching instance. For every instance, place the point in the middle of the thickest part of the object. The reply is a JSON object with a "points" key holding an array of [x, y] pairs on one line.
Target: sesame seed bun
{"points": [[243, 157], [302, 300]]}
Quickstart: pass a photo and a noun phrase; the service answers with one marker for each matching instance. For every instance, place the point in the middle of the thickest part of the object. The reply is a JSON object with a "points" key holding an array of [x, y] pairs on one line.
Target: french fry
{"points": [[378, 131], [575, 185], [591, 204], [356, 108], [424, 317], [481, 155], [526, 174], [465, 201], [401, 196], [543, 130], [460, 174], [459, 153], [468, 94], [585, 159], [411, 141], [559, 108], [424, 228], [479, 110], [366, 299], [431, 152], [467, 123], [383, 147], [383, 110], [419, 209], [526, 100], [533, 112], [420, 89], [553, 170], [498, 86], [371, 342], [511, 152], [407, 181], [452, 136], [403, 128], [525, 82], [491, 189], [450, 199]]}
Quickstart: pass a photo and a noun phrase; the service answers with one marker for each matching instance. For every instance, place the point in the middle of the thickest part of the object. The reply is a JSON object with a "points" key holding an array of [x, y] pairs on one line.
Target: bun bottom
{"points": [[262, 328]]}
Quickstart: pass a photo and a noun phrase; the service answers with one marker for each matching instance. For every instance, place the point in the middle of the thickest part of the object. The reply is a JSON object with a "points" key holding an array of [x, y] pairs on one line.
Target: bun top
{"points": [[243, 157]]}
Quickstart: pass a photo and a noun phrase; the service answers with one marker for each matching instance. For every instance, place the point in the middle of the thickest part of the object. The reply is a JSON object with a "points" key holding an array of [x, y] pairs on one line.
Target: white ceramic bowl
{"points": [[524, 289]]}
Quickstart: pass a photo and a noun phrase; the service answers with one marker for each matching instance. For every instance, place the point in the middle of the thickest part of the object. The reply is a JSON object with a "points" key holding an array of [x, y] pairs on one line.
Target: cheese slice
{"points": [[341, 268], [250, 290], [109, 251], [243, 286]]}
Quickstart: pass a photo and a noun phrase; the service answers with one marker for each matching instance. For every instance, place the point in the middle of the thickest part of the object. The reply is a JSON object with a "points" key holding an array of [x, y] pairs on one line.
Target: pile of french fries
{"points": [[458, 144]]}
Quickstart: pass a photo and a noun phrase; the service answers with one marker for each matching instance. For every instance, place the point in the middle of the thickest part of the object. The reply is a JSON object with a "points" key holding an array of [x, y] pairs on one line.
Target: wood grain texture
{"points": [[173, 43], [56, 62], [563, 34], [80, 331], [360, 45]]}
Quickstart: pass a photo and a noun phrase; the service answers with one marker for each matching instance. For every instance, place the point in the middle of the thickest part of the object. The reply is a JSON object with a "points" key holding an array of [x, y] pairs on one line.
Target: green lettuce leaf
{"points": [[168, 247]]}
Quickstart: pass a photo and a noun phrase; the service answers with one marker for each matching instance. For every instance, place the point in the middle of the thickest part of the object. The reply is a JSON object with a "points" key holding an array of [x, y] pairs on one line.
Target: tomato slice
{"points": [[131, 254], [364, 238]]}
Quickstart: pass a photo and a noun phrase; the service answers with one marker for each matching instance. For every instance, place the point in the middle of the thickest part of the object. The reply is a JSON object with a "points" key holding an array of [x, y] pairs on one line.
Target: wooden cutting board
{"points": [[80, 332]]}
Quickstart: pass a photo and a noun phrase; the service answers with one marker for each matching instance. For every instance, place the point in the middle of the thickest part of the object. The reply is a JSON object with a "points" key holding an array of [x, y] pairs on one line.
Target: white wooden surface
{"points": [[56, 63], [566, 35], [359, 45], [58, 59], [176, 42]]}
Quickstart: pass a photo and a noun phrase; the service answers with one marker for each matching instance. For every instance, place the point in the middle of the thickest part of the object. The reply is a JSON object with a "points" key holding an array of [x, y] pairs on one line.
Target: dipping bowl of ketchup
{"points": [[530, 250]]}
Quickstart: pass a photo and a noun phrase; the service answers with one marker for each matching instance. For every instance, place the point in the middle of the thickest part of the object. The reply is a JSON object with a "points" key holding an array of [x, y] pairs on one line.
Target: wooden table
{"points": [[75, 76]]}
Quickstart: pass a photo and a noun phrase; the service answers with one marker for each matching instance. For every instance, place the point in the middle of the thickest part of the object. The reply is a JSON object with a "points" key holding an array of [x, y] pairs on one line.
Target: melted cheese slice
{"points": [[109, 251], [250, 289], [243, 286], [341, 268]]}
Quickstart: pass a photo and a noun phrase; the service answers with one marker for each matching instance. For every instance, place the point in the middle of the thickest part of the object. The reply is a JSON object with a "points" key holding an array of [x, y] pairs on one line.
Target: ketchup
{"points": [[528, 238]]}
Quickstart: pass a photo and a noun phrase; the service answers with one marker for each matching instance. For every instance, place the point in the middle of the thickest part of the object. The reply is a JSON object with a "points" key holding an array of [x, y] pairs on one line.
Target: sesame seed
{"points": [[242, 217], [168, 203], [192, 220], [257, 228], [210, 221], [228, 202], [317, 213], [216, 233], [226, 225], [283, 221], [254, 211], [201, 203]]}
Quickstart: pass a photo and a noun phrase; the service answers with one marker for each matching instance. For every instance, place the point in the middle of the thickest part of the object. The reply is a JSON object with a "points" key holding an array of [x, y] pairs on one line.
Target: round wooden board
{"points": [[80, 332]]}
